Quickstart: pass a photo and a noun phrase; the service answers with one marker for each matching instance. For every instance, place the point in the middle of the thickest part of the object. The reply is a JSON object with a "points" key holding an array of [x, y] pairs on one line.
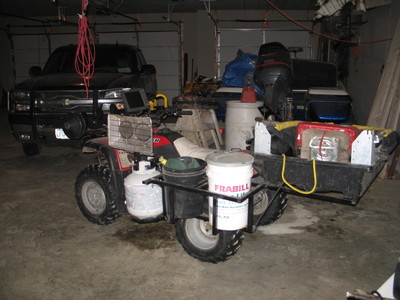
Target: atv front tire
{"points": [[275, 211], [197, 240], [95, 195]]}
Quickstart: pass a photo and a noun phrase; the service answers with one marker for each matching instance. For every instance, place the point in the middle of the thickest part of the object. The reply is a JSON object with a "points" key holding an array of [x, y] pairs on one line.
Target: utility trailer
{"points": [[340, 175]]}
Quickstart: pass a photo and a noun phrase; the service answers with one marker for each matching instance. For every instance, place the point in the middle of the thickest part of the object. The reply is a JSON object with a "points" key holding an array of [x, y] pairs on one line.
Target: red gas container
{"points": [[248, 95]]}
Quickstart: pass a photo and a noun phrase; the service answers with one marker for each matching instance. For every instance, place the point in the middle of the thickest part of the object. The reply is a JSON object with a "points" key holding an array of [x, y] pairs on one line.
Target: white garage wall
{"points": [[63, 39], [162, 49], [34, 49], [29, 50]]}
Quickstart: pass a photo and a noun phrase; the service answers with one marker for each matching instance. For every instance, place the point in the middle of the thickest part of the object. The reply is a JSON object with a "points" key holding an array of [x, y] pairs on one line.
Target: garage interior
{"points": [[316, 250]]}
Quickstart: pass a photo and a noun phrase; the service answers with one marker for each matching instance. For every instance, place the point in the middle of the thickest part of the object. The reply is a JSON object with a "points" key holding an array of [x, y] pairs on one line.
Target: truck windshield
{"points": [[107, 60]]}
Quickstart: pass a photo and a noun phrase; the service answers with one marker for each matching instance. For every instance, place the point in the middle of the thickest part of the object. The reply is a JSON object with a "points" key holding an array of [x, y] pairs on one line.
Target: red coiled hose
{"points": [[85, 52]]}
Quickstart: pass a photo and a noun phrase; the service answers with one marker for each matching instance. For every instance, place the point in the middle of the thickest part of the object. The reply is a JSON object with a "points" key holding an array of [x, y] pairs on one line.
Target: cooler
{"points": [[327, 105]]}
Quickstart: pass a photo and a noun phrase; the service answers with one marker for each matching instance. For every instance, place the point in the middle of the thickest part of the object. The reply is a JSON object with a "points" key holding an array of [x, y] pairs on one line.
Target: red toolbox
{"points": [[335, 141]]}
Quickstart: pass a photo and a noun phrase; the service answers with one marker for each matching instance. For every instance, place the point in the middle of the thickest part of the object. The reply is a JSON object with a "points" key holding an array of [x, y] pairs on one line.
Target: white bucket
{"points": [[239, 123], [229, 174]]}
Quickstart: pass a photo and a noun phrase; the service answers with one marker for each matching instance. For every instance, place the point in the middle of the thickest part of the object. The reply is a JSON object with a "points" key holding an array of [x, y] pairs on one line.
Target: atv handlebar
{"points": [[183, 113], [168, 112]]}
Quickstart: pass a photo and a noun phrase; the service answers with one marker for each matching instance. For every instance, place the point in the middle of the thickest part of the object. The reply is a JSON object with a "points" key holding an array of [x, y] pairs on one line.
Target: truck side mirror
{"points": [[34, 71], [148, 69]]}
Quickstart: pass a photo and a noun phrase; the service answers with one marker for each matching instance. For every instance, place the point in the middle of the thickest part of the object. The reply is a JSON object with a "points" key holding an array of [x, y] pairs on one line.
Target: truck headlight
{"points": [[19, 101], [21, 107], [115, 94], [18, 94]]}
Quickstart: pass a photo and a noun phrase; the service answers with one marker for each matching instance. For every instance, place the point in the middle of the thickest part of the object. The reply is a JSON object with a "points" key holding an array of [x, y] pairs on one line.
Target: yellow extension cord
{"points": [[314, 164]]}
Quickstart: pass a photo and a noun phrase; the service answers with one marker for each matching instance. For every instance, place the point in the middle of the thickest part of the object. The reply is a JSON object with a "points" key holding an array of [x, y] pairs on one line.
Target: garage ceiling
{"points": [[50, 7]]}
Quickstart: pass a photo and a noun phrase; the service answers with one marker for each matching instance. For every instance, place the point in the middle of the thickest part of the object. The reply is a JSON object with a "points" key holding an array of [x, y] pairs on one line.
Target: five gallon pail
{"points": [[239, 123], [186, 171], [229, 173]]}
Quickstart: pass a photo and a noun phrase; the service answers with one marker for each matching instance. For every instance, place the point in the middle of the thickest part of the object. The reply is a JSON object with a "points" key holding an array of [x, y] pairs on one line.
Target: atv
{"points": [[132, 177]]}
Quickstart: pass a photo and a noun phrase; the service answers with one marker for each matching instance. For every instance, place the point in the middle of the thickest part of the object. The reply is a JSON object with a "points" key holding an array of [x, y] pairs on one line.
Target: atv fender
{"points": [[118, 172]]}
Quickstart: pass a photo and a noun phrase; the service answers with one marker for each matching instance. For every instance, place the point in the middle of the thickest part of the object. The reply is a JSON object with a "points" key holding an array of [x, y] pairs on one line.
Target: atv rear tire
{"points": [[197, 240], [275, 211], [95, 195], [30, 149]]}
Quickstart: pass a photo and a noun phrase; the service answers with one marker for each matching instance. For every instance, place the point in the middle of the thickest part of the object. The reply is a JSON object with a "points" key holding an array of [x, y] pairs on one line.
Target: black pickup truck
{"points": [[40, 106]]}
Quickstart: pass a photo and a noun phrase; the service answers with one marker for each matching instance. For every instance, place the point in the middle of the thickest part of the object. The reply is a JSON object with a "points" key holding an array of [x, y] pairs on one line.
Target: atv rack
{"points": [[169, 192]]}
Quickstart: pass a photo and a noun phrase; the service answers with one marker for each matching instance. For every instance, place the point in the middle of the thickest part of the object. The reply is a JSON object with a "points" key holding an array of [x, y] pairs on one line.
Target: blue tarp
{"points": [[237, 71]]}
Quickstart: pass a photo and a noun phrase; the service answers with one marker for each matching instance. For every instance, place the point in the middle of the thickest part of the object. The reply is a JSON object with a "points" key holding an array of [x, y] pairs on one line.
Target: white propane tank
{"points": [[143, 201]]}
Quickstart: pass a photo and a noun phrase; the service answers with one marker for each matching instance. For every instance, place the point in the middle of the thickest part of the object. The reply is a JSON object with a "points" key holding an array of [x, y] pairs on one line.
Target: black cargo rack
{"points": [[337, 182], [342, 183], [169, 189]]}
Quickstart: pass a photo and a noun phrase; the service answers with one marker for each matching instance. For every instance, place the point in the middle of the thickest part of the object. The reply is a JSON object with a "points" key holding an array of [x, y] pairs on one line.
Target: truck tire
{"points": [[30, 149], [3, 97], [95, 195], [275, 211], [197, 240]]}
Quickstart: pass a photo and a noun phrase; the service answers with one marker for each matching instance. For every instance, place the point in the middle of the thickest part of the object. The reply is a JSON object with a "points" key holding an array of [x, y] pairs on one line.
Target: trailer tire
{"points": [[95, 195], [196, 238], [275, 211]]}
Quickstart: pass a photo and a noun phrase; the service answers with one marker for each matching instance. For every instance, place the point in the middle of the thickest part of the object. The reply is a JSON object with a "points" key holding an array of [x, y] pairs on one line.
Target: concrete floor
{"points": [[48, 250]]}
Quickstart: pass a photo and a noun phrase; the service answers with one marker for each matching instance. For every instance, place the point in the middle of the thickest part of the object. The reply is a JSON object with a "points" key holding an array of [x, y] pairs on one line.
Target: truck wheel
{"points": [[3, 97], [197, 240], [30, 149], [95, 195], [275, 211]]}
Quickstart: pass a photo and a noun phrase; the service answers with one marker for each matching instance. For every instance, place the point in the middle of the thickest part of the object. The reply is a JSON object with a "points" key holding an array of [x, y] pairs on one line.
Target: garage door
{"points": [[250, 40], [34, 49]]}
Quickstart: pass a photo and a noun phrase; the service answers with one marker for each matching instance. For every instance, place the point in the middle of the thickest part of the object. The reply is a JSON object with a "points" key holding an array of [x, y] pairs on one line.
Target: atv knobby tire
{"points": [[95, 195], [275, 211], [197, 240]]}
